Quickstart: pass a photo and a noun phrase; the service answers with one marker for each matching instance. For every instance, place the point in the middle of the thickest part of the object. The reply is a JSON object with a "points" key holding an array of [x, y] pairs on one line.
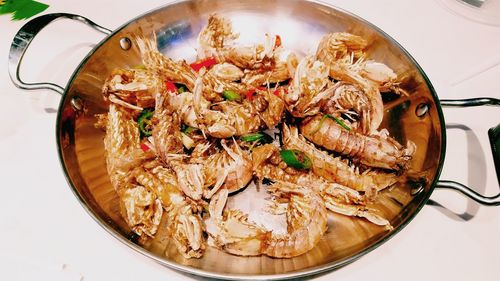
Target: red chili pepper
{"points": [[171, 87], [207, 63], [144, 147], [278, 42], [250, 93], [277, 91]]}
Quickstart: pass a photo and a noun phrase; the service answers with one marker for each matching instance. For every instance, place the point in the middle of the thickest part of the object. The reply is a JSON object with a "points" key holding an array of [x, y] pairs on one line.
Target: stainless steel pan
{"points": [[300, 23]]}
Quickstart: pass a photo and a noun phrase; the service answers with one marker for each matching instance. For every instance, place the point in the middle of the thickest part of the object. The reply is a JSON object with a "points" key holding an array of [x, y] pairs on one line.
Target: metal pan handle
{"points": [[447, 184], [23, 39]]}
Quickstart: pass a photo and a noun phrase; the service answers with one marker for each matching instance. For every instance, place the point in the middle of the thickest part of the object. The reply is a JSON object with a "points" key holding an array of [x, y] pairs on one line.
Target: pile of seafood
{"points": [[180, 139]]}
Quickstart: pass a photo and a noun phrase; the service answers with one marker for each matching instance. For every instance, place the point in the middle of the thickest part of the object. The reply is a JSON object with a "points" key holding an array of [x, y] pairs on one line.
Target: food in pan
{"points": [[182, 138]]}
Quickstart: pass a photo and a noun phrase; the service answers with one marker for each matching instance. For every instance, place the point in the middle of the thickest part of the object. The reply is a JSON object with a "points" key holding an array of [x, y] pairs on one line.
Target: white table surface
{"points": [[46, 235]]}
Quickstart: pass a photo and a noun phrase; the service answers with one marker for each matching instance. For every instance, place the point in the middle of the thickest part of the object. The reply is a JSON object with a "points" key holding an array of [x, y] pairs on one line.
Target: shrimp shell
{"points": [[135, 87], [283, 69], [215, 36], [308, 87], [373, 151], [231, 230], [166, 133], [347, 98], [337, 45], [187, 232], [122, 145], [190, 178], [306, 214], [177, 72], [343, 53], [333, 168], [306, 219], [338, 198], [184, 222], [229, 169], [141, 209]]}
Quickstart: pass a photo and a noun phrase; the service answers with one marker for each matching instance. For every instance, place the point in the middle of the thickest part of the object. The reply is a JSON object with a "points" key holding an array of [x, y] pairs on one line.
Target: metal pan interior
{"points": [[300, 25]]}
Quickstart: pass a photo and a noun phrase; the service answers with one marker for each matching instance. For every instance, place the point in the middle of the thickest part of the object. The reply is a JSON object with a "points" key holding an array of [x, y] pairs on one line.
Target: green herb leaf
{"points": [[188, 130], [340, 122], [181, 88], [260, 137], [231, 95], [22, 9], [296, 159], [145, 123]]}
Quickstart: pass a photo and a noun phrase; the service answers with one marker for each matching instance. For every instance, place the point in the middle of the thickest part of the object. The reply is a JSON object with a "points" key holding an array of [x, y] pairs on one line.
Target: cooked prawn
{"points": [[351, 101], [184, 221], [229, 169], [334, 168], [373, 151], [306, 218], [166, 132], [309, 87], [338, 198], [133, 88], [208, 137], [231, 230]]}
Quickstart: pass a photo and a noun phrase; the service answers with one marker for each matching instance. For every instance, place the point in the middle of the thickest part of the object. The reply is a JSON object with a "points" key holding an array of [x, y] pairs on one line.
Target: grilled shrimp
{"points": [[267, 107], [183, 104], [166, 132], [227, 94], [282, 70], [267, 163], [229, 169], [309, 87], [139, 206], [337, 203], [306, 218], [350, 100], [216, 35], [367, 73], [232, 119], [184, 223], [141, 209], [373, 151], [134, 88], [121, 144], [338, 198], [231, 231], [335, 169], [259, 56], [380, 74], [335, 46], [189, 177], [343, 53], [371, 91], [216, 40], [229, 118], [177, 72], [214, 86]]}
